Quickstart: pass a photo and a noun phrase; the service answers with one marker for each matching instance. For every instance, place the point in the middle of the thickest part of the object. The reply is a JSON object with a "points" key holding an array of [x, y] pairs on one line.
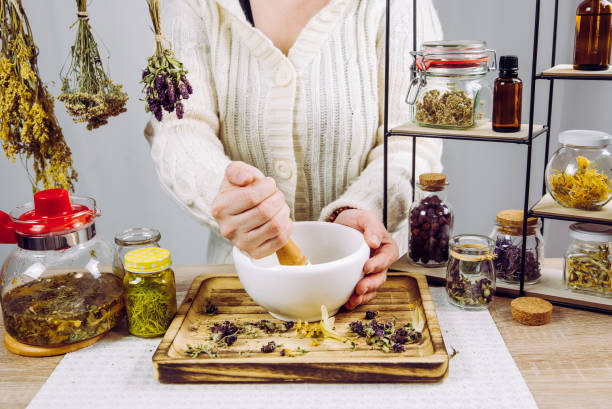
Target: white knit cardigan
{"points": [[312, 120]]}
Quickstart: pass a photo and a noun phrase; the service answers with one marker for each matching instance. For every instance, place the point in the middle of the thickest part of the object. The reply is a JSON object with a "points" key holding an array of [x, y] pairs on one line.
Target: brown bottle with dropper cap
{"points": [[507, 96]]}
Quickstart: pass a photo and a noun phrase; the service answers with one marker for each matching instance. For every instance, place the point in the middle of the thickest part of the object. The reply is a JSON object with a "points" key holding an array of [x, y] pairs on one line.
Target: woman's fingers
{"points": [[237, 200], [261, 214], [278, 225], [279, 236], [371, 282], [387, 254], [356, 300], [241, 174], [373, 230]]}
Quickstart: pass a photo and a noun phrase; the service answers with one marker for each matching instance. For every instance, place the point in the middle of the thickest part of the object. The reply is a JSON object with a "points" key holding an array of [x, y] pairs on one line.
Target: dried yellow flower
{"points": [[28, 127], [586, 189]]}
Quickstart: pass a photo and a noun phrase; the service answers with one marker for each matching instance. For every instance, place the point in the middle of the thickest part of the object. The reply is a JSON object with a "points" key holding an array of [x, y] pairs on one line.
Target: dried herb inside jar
{"points": [[586, 189], [63, 309], [452, 108], [151, 302], [591, 270], [508, 257]]}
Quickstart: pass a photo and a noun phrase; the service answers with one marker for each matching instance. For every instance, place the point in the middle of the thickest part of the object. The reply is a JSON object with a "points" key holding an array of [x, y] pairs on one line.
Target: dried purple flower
{"points": [[179, 110], [370, 315], [398, 348], [183, 91], [269, 347], [187, 84], [357, 328]]}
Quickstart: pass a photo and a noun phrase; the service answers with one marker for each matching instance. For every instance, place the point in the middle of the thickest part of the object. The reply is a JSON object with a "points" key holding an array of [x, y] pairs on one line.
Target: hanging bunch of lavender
{"points": [[87, 90], [165, 78], [28, 126]]}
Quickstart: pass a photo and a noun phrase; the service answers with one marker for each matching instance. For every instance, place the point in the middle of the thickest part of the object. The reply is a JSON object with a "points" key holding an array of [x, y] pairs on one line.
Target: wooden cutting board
{"points": [[330, 361]]}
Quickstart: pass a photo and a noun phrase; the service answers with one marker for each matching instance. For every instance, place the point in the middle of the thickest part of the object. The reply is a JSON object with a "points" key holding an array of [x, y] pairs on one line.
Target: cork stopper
{"points": [[432, 179], [511, 222], [531, 310]]}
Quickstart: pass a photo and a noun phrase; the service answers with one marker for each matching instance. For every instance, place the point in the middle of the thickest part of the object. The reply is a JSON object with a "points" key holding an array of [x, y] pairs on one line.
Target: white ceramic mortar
{"points": [[337, 255]]}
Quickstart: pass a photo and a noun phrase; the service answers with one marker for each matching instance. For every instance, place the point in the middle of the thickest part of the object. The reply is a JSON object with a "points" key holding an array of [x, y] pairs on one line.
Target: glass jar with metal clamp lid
{"points": [[450, 89], [58, 285]]}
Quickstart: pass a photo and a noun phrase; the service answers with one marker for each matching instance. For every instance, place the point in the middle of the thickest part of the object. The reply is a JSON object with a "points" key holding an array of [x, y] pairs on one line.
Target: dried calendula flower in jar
{"points": [[87, 91], [452, 108], [584, 189], [28, 126], [588, 261]]}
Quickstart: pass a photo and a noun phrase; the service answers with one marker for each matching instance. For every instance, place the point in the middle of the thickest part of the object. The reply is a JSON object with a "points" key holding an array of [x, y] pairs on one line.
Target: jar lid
{"points": [[514, 218], [137, 236], [585, 138], [432, 179], [454, 54], [53, 212], [591, 232], [147, 260]]}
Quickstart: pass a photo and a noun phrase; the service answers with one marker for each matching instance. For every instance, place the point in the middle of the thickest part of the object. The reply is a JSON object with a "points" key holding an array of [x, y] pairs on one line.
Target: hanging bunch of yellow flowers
{"points": [[28, 127]]}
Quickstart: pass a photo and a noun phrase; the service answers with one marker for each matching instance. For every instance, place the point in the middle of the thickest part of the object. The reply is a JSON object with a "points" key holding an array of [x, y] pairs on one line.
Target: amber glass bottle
{"points": [[593, 35], [507, 96]]}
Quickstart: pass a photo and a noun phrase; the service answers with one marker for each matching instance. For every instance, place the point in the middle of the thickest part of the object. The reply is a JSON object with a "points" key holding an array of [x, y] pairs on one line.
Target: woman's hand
{"points": [[384, 252], [251, 211]]}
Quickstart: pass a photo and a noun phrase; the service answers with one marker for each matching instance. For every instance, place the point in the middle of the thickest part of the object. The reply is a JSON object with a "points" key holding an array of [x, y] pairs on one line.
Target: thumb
{"points": [[241, 174], [372, 228]]}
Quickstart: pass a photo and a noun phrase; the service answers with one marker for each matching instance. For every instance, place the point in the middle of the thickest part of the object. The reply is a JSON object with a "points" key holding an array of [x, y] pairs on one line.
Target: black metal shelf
{"points": [[498, 139], [576, 219], [528, 142], [572, 78]]}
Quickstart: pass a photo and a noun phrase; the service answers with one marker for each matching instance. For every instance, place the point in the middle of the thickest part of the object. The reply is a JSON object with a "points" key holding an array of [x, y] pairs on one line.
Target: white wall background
{"points": [[115, 166]]}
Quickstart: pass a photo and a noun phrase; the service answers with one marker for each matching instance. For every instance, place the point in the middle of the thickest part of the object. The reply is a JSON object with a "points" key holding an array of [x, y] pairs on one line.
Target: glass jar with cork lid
{"points": [[508, 237], [470, 274], [431, 222], [451, 89]]}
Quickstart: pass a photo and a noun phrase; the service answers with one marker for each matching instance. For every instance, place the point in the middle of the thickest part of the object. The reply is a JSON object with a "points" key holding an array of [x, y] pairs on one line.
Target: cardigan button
{"points": [[283, 169], [284, 76]]}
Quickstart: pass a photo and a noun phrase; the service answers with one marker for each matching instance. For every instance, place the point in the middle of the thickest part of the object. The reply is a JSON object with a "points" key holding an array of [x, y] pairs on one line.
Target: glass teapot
{"points": [[58, 286]]}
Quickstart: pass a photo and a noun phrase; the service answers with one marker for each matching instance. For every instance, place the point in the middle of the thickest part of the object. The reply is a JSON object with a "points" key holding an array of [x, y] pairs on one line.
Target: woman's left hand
{"points": [[384, 253]]}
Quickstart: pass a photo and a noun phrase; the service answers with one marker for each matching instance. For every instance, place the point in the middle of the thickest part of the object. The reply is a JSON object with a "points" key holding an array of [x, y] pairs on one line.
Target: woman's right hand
{"points": [[251, 211]]}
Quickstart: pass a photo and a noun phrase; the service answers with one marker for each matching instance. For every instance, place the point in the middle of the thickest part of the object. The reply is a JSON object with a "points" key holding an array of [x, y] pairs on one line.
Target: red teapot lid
{"points": [[53, 211]]}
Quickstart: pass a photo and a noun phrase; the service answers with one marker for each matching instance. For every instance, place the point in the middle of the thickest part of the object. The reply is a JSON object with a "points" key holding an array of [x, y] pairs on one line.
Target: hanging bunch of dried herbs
{"points": [[28, 126], [87, 90], [165, 78]]}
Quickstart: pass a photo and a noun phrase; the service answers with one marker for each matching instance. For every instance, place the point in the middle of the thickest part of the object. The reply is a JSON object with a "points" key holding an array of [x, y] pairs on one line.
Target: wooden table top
{"points": [[567, 363]]}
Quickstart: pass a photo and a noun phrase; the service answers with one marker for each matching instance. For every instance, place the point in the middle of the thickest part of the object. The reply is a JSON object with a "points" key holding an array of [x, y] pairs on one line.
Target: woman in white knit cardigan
{"points": [[285, 121]]}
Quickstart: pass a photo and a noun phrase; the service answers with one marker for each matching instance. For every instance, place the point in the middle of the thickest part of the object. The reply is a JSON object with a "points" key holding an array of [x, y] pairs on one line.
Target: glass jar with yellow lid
{"points": [[150, 291]]}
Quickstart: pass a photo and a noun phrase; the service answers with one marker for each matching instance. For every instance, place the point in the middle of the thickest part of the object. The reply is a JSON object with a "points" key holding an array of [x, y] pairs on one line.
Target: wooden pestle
{"points": [[291, 255]]}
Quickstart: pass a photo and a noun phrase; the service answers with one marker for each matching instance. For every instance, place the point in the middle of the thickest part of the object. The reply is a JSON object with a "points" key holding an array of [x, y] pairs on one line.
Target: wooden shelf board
{"points": [[567, 70], [547, 207], [550, 287], [480, 132]]}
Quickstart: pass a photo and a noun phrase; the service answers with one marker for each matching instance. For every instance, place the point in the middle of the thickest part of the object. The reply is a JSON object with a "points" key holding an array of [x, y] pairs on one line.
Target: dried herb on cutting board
{"points": [[87, 90], [387, 336], [28, 126], [63, 309]]}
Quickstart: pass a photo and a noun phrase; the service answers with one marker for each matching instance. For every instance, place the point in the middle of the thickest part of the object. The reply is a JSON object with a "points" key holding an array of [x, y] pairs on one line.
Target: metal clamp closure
{"points": [[58, 242]]}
